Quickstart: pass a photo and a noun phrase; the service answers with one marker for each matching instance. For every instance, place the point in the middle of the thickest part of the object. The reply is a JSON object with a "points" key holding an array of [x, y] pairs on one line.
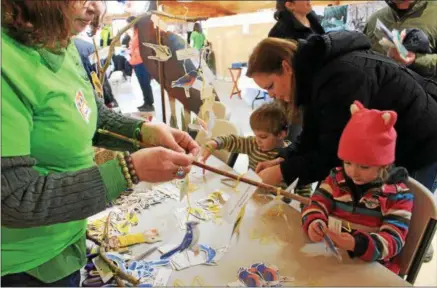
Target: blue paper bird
{"points": [[190, 240], [185, 81]]}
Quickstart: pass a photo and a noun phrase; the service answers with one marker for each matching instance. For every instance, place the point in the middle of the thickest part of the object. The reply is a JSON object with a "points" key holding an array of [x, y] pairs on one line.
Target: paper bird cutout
{"points": [[162, 53], [185, 81]]}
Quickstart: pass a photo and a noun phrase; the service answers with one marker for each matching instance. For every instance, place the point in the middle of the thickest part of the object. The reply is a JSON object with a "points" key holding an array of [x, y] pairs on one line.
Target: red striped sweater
{"points": [[384, 206]]}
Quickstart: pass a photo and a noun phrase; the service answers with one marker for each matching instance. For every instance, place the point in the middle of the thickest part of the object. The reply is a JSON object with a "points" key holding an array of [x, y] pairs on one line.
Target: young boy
{"points": [[367, 192], [269, 124]]}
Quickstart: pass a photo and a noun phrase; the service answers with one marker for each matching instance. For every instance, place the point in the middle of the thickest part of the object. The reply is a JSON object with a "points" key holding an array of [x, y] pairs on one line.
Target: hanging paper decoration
{"points": [[162, 53], [185, 81]]}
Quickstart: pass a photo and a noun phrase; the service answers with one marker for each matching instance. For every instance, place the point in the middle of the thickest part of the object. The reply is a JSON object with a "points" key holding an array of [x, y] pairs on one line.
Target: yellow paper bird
{"points": [[237, 224]]}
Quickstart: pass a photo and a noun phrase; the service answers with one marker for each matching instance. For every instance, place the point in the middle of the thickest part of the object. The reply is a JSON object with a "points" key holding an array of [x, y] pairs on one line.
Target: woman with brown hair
{"points": [[323, 76], [50, 183], [295, 20]]}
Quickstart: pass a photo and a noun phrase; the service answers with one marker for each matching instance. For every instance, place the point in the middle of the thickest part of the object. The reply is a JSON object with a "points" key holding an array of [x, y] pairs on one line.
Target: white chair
{"points": [[421, 231], [219, 110], [221, 128]]}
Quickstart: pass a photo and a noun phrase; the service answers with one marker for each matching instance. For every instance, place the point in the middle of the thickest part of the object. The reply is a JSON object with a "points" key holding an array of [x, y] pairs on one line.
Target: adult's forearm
{"points": [[117, 123], [30, 199]]}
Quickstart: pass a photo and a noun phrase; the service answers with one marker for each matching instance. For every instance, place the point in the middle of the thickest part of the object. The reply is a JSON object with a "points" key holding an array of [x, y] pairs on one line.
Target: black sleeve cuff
{"points": [[361, 244]]}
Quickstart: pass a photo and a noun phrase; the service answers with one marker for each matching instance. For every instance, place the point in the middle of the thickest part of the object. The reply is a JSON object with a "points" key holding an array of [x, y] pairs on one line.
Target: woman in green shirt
{"points": [[197, 37], [50, 183]]}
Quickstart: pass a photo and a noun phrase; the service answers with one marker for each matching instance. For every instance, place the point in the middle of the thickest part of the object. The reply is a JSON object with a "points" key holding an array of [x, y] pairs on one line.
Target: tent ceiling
{"points": [[221, 8]]}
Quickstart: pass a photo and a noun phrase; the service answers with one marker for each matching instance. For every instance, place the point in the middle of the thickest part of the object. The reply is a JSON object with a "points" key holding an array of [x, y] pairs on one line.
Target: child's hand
{"points": [[343, 241], [209, 148], [267, 164], [314, 231]]}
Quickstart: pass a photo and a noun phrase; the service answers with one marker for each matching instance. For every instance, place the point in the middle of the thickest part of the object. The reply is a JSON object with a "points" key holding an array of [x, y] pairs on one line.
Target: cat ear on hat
{"points": [[389, 118], [356, 106]]}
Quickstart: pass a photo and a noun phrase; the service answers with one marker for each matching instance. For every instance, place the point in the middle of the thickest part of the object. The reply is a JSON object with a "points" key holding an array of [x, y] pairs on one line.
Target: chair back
{"points": [[219, 110], [421, 230], [221, 128]]}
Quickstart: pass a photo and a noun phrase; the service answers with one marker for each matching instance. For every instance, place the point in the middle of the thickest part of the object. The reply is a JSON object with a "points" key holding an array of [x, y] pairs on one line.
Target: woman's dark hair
{"points": [[36, 23], [281, 9], [197, 27]]}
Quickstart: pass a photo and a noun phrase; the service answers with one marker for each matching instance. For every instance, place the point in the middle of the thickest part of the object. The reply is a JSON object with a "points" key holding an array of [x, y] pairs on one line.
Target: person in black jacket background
{"points": [[323, 75], [295, 20]]}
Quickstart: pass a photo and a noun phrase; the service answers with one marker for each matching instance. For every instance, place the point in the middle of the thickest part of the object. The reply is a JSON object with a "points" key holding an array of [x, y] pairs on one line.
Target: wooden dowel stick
{"points": [[215, 170]]}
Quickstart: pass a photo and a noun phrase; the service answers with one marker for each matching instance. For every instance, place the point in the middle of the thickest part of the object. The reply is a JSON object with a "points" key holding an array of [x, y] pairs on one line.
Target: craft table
{"points": [[269, 241]]}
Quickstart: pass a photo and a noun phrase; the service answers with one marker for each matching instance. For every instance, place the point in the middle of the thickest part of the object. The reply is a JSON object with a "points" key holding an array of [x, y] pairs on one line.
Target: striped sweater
{"points": [[248, 146], [378, 205]]}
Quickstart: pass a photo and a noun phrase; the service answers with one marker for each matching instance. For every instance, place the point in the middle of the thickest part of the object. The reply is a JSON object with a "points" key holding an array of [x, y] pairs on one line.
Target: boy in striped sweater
{"points": [[269, 124], [366, 192]]}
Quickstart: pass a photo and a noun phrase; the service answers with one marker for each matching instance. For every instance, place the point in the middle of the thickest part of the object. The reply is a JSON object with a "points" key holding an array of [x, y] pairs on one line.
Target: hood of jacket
{"points": [[417, 7], [316, 51]]}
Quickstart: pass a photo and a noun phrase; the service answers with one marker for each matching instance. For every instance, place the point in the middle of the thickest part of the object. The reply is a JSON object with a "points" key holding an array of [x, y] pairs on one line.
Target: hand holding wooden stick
{"points": [[215, 170]]}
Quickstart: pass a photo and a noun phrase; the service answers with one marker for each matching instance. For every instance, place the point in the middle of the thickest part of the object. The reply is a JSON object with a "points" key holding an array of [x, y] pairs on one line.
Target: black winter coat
{"points": [[329, 77], [288, 27]]}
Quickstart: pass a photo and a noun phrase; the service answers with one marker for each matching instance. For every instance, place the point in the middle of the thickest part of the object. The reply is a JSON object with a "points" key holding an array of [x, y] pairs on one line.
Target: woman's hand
{"points": [[266, 164], [314, 232], [272, 175], [210, 146], [159, 134], [159, 164], [343, 241]]}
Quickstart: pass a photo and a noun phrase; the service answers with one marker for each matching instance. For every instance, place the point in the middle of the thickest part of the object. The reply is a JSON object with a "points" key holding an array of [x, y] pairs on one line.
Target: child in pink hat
{"points": [[367, 197]]}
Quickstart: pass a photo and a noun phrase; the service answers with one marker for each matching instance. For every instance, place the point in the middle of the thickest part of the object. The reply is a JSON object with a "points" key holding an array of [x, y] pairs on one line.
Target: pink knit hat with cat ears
{"points": [[369, 137]]}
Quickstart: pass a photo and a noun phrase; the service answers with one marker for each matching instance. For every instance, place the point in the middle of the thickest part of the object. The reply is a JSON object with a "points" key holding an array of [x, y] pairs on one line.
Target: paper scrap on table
{"points": [[182, 260], [238, 200], [168, 189], [188, 53], [162, 277], [104, 271], [316, 249], [236, 284], [179, 261], [166, 248], [181, 217]]}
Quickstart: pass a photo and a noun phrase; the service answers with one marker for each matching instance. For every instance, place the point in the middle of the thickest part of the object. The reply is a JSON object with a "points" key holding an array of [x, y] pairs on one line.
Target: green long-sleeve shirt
{"points": [[50, 183], [422, 16]]}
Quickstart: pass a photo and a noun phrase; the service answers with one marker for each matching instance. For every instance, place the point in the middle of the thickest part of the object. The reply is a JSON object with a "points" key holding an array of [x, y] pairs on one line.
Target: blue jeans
{"points": [[427, 176], [144, 79]]}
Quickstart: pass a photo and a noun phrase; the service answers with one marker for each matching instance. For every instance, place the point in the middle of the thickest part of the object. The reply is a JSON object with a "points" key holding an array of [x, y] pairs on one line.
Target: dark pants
{"points": [[427, 176], [25, 280], [144, 79]]}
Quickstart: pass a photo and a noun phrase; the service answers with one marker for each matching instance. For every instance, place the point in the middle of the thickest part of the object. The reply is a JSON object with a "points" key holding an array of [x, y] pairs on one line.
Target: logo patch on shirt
{"points": [[82, 106], [370, 203]]}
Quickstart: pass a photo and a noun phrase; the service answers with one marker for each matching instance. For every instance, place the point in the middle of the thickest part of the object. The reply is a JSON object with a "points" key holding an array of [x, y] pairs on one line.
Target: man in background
{"points": [[407, 14]]}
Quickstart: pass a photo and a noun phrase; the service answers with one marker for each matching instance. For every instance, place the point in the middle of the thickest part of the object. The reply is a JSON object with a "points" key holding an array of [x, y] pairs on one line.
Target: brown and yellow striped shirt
{"points": [[248, 146]]}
